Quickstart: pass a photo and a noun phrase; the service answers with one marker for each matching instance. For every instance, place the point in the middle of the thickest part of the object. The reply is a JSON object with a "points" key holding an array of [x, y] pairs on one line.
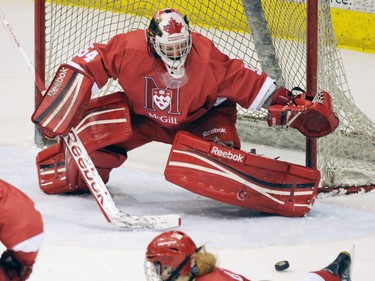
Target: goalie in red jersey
{"points": [[21, 231], [173, 256], [179, 89]]}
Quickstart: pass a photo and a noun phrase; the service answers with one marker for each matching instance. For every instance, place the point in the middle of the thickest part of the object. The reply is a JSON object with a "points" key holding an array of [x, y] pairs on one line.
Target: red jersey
{"points": [[220, 274], [21, 225], [211, 77]]}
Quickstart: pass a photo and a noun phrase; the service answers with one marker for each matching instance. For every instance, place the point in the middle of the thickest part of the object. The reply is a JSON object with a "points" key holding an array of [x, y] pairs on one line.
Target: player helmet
{"points": [[169, 38], [172, 251]]}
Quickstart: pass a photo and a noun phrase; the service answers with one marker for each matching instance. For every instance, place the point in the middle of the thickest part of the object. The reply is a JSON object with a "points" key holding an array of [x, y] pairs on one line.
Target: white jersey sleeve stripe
{"points": [[32, 244], [267, 89]]}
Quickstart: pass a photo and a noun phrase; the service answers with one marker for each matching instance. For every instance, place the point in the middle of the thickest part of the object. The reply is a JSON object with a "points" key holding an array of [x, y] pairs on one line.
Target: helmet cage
{"points": [[169, 38], [154, 270]]}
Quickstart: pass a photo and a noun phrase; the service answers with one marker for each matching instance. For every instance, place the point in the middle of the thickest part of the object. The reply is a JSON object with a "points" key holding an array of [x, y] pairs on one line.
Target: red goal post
{"points": [[292, 40]]}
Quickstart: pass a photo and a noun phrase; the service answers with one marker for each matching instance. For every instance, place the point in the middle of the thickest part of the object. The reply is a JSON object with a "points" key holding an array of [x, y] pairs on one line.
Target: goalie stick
{"points": [[89, 172]]}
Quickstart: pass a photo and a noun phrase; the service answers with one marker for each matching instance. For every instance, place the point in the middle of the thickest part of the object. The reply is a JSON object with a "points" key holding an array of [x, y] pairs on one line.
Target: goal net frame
{"points": [[291, 40]]}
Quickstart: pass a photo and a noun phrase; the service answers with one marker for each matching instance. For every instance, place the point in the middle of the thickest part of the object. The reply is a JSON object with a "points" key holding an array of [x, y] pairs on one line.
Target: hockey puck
{"points": [[281, 265]]}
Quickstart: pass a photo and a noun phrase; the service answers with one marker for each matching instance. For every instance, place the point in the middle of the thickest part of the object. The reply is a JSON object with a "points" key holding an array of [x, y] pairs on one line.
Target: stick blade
{"points": [[146, 222]]}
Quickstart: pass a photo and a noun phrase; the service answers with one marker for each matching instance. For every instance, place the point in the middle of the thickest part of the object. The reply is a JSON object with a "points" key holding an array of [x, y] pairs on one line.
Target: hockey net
{"points": [[267, 34]]}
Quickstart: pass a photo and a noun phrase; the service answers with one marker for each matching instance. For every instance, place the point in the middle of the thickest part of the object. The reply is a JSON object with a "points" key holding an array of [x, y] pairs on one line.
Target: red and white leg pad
{"points": [[50, 164], [107, 123], [242, 179], [58, 173]]}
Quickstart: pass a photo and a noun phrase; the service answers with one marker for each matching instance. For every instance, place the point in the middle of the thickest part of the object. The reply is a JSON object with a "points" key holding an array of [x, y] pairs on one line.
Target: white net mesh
{"points": [[277, 45]]}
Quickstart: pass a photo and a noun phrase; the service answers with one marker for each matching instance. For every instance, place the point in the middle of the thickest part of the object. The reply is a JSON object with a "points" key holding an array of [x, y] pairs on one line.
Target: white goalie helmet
{"points": [[169, 38]]}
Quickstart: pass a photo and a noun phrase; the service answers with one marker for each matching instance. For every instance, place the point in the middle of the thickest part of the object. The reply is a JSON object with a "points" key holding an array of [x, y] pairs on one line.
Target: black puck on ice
{"points": [[281, 265]]}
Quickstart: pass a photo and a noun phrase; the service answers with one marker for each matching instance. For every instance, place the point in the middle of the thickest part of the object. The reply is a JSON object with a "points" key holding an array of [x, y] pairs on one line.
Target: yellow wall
{"points": [[354, 29]]}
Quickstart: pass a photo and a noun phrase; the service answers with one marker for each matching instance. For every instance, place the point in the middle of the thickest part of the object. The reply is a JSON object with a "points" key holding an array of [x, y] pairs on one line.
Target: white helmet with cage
{"points": [[169, 38]]}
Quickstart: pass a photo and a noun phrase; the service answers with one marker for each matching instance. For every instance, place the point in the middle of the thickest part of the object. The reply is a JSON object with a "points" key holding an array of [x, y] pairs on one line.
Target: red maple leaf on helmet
{"points": [[173, 27]]}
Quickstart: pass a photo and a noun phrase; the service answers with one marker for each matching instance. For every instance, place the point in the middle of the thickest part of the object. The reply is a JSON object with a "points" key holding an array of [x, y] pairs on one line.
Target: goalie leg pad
{"points": [[107, 123], [56, 177], [104, 160], [51, 170], [64, 102], [242, 179]]}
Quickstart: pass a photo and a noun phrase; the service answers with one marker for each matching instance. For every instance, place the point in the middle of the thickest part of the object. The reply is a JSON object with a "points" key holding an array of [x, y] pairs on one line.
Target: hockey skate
{"points": [[341, 266]]}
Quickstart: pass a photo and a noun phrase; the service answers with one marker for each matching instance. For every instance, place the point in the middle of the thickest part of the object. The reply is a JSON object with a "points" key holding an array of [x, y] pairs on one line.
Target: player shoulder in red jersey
{"points": [[21, 231]]}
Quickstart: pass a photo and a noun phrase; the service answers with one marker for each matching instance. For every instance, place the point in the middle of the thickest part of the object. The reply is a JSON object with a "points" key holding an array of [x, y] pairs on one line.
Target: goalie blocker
{"points": [[64, 102], [241, 179]]}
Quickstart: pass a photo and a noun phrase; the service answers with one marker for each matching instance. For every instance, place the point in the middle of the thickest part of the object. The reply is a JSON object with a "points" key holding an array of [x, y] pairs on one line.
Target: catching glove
{"points": [[314, 118]]}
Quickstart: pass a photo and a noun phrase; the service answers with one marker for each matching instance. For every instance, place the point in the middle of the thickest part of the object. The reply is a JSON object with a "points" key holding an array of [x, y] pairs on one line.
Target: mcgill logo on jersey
{"points": [[162, 98], [167, 98]]}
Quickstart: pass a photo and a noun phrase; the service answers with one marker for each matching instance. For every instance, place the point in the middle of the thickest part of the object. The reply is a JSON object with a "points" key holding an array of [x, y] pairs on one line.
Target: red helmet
{"points": [[171, 249]]}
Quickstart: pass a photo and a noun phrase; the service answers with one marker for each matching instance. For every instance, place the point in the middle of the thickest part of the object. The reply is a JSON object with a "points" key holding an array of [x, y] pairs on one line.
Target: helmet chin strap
{"points": [[176, 273]]}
